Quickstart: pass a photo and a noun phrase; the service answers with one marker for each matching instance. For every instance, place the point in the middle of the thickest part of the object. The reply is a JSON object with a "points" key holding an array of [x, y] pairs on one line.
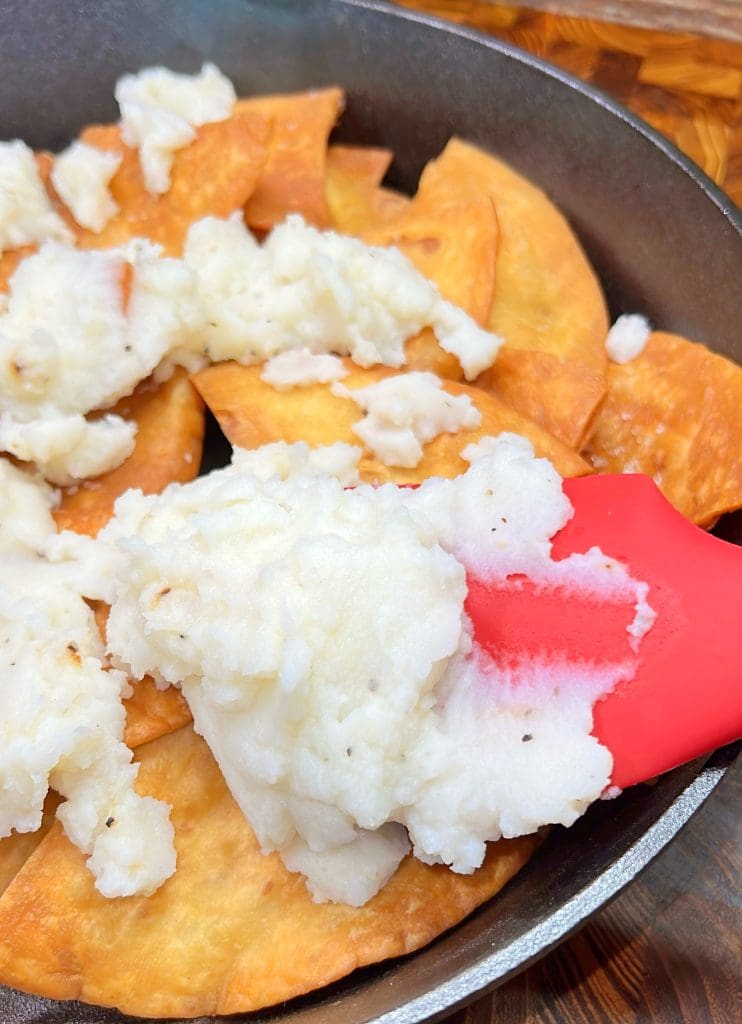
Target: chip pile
{"points": [[233, 930]]}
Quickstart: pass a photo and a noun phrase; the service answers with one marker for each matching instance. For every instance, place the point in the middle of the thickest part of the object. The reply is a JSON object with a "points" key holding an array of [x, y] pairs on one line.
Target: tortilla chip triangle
{"points": [[213, 176], [252, 413], [560, 395], [232, 930], [170, 430], [547, 297], [352, 177], [292, 179], [675, 413], [16, 848]]}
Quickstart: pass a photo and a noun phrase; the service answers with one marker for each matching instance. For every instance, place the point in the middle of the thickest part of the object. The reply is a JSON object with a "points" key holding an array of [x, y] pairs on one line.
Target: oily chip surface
{"points": [[292, 178], [455, 246], [232, 930], [168, 446], [252, 413], [675, 413], [212, 177], [546, 295], [559, 394]]}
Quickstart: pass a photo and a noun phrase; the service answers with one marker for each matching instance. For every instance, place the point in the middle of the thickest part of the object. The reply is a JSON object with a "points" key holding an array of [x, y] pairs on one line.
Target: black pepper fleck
{"points": [[527, 737], [109, 822]]}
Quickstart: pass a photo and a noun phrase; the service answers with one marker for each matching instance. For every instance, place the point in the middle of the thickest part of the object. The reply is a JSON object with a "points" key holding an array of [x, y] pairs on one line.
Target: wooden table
{"points": [[669, 949], [688, 87]]}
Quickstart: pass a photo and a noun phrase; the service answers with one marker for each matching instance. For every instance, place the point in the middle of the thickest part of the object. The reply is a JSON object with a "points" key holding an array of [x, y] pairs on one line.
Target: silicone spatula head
{"points": [[685, 697]]}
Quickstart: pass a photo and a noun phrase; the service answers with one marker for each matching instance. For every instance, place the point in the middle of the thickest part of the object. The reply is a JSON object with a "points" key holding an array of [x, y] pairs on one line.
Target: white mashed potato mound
{"points": [[328, 293], [627, 337], [299, 368], [61, 716], [404, 412], [26, 212], [69, 448], [161, 108], [68, 346], [81, 175], [250, 588]]}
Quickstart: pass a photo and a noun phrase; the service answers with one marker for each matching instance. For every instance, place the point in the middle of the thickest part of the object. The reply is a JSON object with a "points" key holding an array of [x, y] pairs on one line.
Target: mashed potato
{"points": [[61, 717], [81, 175], [401, 414], [304, 288], [26, 213], [320, 638], [161, 108]]}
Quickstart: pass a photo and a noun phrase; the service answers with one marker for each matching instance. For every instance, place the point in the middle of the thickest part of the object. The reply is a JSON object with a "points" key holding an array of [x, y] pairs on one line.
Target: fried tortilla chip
{"points": [[169, 440], [547, 297], [365, 164], [560, 395], [252, 413], [213, 176], [232, 930], [675, 413], [454, 246], [352, 177], [16, 848], [150, 712], [292, 179], [387, 204]]}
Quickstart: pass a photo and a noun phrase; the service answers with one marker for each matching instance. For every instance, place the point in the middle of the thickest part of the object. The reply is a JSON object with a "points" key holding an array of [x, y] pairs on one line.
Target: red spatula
{"points": [[686, 695]]}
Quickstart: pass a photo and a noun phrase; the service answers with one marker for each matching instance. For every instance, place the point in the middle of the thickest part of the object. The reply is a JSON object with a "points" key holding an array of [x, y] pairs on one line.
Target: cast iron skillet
{"points": [[663, 238]]}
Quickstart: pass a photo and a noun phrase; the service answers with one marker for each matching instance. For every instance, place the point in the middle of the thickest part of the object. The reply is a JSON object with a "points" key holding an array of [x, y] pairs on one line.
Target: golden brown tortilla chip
{"points": [[292, 179], [149, 712], [553, 392], [386, 205], [252, 413], [675, 413], [352, 177], [454, 246], [16, 848], [365, 164], [547, 297], [168, 444], [232, 930], [213, 176]]}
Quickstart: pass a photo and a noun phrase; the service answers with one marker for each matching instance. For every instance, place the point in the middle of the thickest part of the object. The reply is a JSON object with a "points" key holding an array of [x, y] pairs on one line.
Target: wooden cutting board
{"points": [[689, 87]]}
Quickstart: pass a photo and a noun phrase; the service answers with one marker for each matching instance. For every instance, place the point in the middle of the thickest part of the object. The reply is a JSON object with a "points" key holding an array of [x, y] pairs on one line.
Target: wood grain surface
{"points": [[687, 87], [669, 949], [717, 18]]}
